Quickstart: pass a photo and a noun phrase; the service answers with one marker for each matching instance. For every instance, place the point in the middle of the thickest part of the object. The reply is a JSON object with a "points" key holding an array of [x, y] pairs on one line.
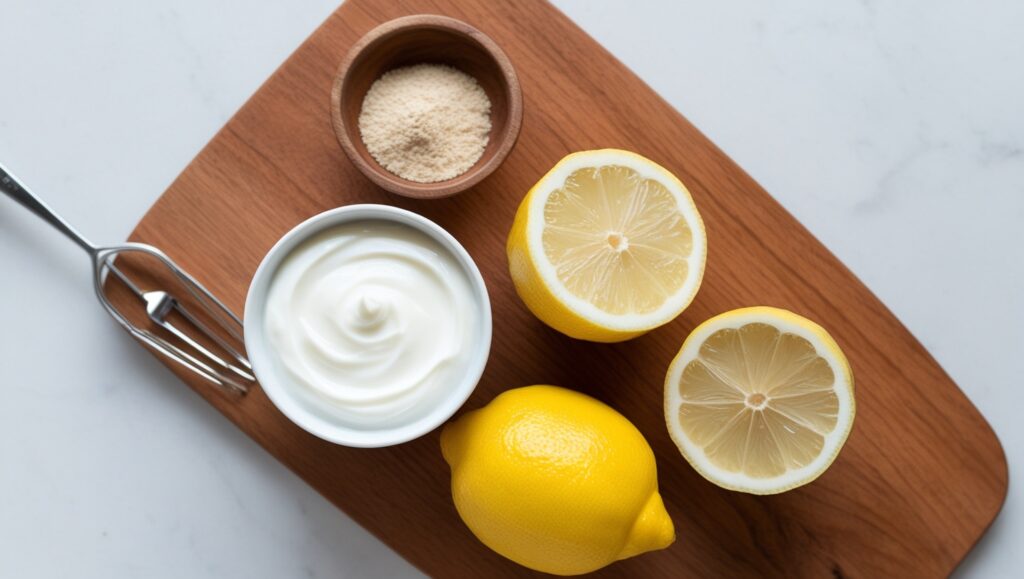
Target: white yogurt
{"points": [[371, 322]]}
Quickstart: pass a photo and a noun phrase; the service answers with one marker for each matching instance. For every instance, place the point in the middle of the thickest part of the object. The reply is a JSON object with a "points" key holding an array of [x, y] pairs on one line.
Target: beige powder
{"points": [[426, 122]]}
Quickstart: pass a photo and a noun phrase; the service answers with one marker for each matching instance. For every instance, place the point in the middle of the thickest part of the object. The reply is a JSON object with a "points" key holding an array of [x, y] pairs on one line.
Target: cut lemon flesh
{"points": [[759, 400], [607, 246]]}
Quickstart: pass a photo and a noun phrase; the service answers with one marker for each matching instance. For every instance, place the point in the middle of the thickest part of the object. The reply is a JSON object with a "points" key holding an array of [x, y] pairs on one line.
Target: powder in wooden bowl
{"points": [[426, 122]]}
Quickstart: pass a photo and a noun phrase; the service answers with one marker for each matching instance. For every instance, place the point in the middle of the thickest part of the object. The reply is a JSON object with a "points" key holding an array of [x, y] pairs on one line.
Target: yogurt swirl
{"points": [[372, 318]]}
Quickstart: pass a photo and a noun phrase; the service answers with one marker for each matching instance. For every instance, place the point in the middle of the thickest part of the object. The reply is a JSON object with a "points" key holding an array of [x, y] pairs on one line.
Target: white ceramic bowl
{"points": [[319, 423]]}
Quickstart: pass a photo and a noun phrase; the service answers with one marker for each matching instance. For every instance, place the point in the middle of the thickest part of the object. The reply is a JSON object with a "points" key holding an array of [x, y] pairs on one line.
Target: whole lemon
{"points": [[556, 481]]}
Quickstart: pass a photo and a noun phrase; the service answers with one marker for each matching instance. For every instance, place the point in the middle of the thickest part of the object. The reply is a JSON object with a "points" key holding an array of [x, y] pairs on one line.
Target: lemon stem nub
{"points": [[652, 531]]}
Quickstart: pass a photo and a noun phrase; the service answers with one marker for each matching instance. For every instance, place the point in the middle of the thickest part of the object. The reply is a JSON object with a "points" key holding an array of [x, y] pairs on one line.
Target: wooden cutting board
{"points": [[919, 481]]}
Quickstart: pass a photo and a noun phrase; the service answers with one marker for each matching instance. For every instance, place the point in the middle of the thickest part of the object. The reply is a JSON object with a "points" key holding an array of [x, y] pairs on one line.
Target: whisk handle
{"points": [[11, 187]]}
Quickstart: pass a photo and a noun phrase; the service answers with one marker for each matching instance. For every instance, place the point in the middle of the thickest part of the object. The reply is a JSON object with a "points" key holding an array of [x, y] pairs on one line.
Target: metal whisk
{"points": [[232, 371]]}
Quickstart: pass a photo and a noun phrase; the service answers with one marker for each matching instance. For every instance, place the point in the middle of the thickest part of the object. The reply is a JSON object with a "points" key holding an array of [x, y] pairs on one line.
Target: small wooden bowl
{"points": [[418, 39]]}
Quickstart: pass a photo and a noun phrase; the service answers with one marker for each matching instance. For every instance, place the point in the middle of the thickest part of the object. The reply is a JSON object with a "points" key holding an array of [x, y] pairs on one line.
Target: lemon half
{"points": [[759, 400], [606, 246]]}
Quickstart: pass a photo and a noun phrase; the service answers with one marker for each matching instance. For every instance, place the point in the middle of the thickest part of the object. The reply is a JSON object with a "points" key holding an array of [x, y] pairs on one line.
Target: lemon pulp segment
{"points": [[617, 239], [758, 400]]}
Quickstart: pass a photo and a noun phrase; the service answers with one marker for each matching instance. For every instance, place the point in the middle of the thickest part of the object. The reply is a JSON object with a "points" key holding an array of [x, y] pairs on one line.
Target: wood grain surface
{"points": [[919, 481]]}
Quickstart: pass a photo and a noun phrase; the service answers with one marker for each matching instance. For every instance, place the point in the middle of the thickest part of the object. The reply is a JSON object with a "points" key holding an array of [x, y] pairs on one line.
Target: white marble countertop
{"points": [[893, 130]]}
